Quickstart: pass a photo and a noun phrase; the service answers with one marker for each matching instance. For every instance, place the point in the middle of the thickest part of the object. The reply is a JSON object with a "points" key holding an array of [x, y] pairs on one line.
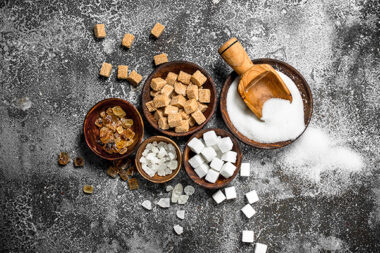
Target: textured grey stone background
{"points": [[49, 80]]}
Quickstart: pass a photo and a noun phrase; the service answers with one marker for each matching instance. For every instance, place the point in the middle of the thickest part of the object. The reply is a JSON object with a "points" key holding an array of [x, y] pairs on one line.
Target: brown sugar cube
{"points": [[161, 100], [134, 78], [127, 40], [160, 58], [174, 120], [157, 30], [183, 127], [198, 116], [150, 106], [154, 93], [171, 78], [100, 31], [157, 83], [158, 114], [202, 107], [163, 123], [170, 110], [198, 78], [133, 184], [180, 89], [191, 121], [183, 77], [190, 106], [183, 114], [122, 72], [192, 92], [105, 70], [123, 174], [167, 90], [178, 101], [204, 95]]}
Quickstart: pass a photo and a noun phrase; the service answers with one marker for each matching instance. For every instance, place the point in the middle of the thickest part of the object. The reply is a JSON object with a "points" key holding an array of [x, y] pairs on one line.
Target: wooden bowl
{"points": [[91, 131], [162, 71], [157, 179], [221, 182], [302, 86]]}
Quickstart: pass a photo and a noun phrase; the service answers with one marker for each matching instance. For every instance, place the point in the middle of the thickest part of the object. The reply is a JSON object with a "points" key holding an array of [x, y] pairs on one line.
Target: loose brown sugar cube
{"points": [[191, 121], [174, 120], [158, 114], [63, 158], [100, 31], [157, 30], [198, 78], [204, 95], [150, 106], [134, 78], [160, 58], [167, 90], [133, 184], [106, 69], [157, 83], [183, 127], [161, 100], [170, 110], [178, 101], [122, 72], [154, 93], [198, 116], [202, 107], [190, 106], [192, 92], [78, 162], [184, 77], [171, 78], [127, 40], [88, 189], [180, 89], [163, 123], [113, 171]]}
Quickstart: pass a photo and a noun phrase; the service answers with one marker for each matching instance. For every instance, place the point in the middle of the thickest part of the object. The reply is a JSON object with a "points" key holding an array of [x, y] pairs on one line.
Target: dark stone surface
{"points": [[49, 80]]}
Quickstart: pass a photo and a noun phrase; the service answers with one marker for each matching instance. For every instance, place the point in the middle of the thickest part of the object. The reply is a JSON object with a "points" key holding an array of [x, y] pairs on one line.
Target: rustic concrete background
{"points": [[49, 80]]}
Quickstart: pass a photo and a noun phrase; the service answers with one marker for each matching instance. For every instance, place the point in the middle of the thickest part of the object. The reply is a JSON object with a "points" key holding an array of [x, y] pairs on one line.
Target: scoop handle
{"points": [[235, 55]]}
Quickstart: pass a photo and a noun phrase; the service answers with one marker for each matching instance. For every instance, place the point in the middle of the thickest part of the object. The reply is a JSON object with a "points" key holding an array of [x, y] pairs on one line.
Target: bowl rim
{"points": [[223, 105], [146, 88], [93, 109], [139, 153]]}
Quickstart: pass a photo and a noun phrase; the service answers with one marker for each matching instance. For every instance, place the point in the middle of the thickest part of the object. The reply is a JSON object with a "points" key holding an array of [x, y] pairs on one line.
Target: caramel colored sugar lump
{"points": [[198, 116], [204, 95], [160, 58], [163, 123], [158, 114], [178, 101], [190, 106], [183, 114], [127, 40], [198, 78], [191, 121], [202, 107], [170, 110], [161, 101], [171, 78], [183, 127], [180, 89], [100, 31], [157, 30], [167, 90], [192, 92], [157, 83], [105, 70], [122, 72], [174, 120], [184, 77], [150, 106], [134, 78]]}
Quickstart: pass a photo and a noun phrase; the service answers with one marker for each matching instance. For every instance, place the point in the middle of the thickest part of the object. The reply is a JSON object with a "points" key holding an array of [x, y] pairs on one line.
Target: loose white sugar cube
{"points": [[247, 236], [181, 214], [218, 197], [196, 161], [230, 192], [216, 164], [228, 170], [229, 156], [225, 144], [210, 138], [189, 190], [248, 210], [245, 170], [260, 248], [183, 199], [202, 170], [164, 202], [147, 204], [212, 176], [208, 154], [252, 197], [169, 188], [196, 145], [178, 229], [176, 193]]}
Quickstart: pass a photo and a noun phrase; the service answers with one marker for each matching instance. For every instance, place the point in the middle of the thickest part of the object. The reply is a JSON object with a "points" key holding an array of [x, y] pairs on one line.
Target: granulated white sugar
{"points": [[281, 119]]}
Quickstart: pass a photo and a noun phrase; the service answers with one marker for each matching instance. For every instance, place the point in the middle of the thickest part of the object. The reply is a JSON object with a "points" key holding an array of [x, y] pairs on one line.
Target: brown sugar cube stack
{"points": [[134, 78], [100, 31], [122, 72], [105, 70], [160, 59], [157, 30], [127, 40]]}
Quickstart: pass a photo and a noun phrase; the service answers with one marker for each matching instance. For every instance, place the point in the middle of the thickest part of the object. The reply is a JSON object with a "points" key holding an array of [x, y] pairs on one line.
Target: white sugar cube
{"points": [[260, 248], [252, 197], [183, 199], [225, 144], [247, 236], [147, 204], [230, 192], [189, 190], [245, 170], [248, 210], [229, 156], [212, 176], [196, 161], [196, 145], [164, 202], [181, 214], [228, 170], [208, 154], [218, 197], [216, 164], [178, 229], [210, 138], [202, 170]]}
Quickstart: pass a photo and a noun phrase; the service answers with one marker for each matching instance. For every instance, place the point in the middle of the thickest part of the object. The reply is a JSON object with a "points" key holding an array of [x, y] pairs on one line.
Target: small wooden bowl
{"points": [[157, 179], [221, 182], [302, 86], [91, 131], [162, 71]]}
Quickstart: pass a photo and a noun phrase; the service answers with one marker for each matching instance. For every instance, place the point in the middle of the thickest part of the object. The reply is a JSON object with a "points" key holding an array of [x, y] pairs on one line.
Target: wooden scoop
{"points": [[258, 83]]}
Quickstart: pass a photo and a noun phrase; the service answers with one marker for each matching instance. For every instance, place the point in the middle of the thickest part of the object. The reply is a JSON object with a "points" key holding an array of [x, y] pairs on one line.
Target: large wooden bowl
{"points": [[176, 66], [91, 131], [157, 179], [302, 86], [221, 182]]}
